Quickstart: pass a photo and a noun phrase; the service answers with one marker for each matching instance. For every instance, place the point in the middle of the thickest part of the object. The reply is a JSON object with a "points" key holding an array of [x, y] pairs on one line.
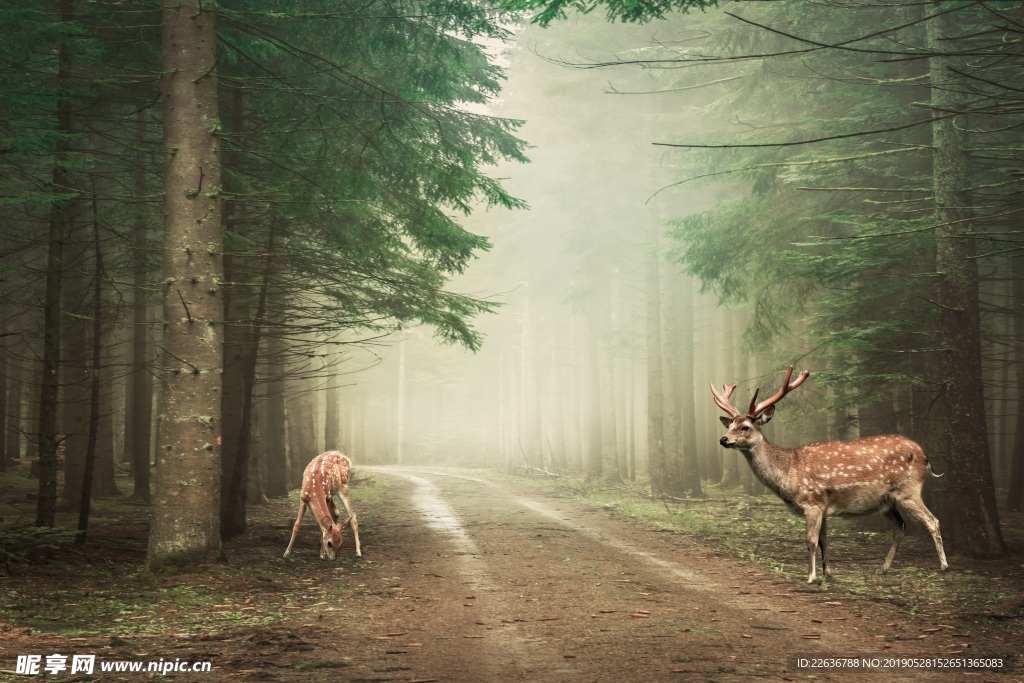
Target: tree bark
{"points": [[140, 409], [656, 465], [5, 383], [730, 458], [400, 406], [975, 527], [276, 445], [46, 504], [15, 409], [185, 525], [332, 416], [89, 465], [688, 468], [1015, 493]]}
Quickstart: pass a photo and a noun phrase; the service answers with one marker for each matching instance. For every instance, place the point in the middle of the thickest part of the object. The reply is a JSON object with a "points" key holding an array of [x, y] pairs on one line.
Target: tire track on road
{"points": [[575, 594]]}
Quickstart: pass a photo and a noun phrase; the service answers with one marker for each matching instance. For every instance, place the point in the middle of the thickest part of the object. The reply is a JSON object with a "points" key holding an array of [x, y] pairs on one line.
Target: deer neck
{"points": [[771, 464], [318, 505]]}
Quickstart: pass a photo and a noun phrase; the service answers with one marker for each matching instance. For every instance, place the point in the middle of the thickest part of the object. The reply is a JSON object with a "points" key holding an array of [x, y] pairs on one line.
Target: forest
{"points": [[520, 236], [507, 257]]}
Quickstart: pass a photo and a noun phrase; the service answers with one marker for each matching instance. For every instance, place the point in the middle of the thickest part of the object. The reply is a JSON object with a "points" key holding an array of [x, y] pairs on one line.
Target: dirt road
{"points": [[469, 577], [490, 582]]}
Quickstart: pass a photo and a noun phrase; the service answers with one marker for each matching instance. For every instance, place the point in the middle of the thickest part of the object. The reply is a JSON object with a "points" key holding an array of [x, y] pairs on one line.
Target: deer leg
{"points": [[916, 508], [814, 518], [898, 529], [343, 494], [826, 568], [295, 528]]}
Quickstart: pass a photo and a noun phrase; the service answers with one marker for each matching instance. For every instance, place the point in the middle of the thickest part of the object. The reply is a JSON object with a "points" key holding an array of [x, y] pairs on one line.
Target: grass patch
{"points": [[762, 530]]}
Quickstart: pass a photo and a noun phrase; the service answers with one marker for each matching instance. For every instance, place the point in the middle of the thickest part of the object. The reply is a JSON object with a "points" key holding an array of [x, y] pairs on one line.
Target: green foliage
{"points": [[358, 141], [831, 244], [28, 544], [629, 11]]}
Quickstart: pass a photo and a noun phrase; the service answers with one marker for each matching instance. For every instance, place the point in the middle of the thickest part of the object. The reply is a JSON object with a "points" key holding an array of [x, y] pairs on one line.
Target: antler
{"points": [[787, 387], [723, 401]]}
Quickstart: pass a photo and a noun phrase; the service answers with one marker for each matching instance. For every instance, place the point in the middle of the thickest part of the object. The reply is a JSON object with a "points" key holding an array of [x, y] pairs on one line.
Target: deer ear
{"points": [[727, 421], [766, 416]]}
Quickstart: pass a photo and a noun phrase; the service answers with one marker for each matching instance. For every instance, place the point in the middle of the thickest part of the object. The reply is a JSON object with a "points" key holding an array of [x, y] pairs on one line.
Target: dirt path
{"points": [[493, 583], [470, 577]]}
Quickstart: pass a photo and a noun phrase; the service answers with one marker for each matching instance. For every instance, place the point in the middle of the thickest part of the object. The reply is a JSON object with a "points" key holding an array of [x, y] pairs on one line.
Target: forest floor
{"points": [[475, 576]]}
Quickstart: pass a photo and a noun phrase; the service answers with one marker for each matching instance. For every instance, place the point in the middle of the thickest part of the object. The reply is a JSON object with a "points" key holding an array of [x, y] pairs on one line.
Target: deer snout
{"points": [[724, 441]]}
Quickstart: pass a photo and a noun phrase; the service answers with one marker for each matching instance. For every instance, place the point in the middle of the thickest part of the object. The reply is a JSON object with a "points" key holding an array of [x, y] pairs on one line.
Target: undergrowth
{"points": [[762, 530]]}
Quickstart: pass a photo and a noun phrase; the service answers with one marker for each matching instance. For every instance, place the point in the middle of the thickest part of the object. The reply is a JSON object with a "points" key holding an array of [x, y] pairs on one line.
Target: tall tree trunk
{"points": [[730, 458], [657, 467], [674, 385], [85, 499], [46, 504], [607, 403], [140, 409], [332, 417], [76, 372], [15, 410], [5, 382], [276, 445], [233, 512], [975, 527], [1015, 494], [529, 442], [556, 399], [590, 399], [400, 407], [301, 429], [689, 470], [185, 526], [237, 340]]}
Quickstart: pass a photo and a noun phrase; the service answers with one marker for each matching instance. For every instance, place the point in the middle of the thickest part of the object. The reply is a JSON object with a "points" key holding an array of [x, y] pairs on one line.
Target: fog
{"points": [[561, 380], [648, 266]]}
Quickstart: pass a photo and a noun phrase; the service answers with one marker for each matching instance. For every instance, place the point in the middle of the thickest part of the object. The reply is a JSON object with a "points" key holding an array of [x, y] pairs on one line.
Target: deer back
{"points": [[325, 475]]}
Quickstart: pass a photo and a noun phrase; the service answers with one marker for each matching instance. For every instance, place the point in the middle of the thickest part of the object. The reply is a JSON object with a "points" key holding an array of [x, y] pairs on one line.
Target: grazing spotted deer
{"points": [[882, 474], [325, 477]]}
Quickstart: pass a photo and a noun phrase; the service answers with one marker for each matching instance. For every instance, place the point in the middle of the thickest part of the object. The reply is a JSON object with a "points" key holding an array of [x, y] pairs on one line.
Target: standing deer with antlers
{"points": [[324, 479], [882, 474]]}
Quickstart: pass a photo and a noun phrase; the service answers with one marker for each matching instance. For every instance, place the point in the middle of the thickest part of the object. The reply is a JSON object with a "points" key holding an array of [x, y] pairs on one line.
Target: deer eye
{"points": [[745, 428]]}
